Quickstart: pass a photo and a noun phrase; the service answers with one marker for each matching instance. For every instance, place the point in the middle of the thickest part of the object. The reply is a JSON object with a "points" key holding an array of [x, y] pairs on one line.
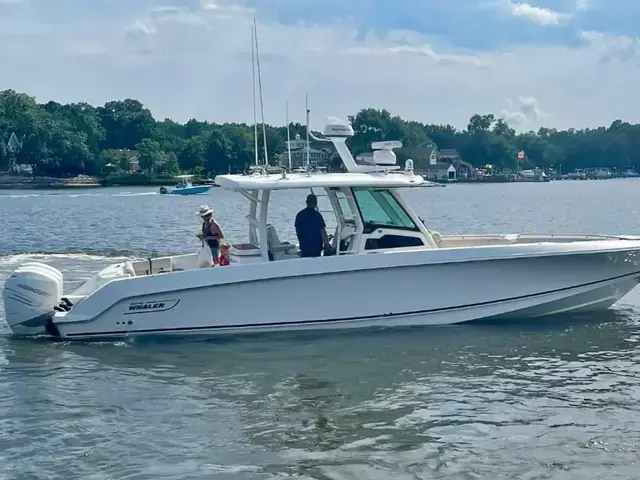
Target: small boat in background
{"points": [[533, 175], [185, 187]]}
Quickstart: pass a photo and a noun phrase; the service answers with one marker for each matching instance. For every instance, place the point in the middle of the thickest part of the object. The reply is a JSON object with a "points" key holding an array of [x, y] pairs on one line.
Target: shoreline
{"points": [[43, 186], [52, 183], [49, 183], [46, 186]]}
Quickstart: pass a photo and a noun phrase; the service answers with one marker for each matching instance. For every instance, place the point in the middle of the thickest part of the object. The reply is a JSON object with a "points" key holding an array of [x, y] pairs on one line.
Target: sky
{"points": [[555, 63]]}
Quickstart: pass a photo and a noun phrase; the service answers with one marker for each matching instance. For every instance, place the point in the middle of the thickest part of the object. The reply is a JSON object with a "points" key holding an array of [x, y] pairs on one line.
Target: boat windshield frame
{"points": [[184, 181], [353, 232], [387, 204]]}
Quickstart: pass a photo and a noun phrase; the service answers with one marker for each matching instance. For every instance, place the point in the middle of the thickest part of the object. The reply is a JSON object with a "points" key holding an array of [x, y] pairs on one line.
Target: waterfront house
{"points": [[440, 172], [318, 158]]}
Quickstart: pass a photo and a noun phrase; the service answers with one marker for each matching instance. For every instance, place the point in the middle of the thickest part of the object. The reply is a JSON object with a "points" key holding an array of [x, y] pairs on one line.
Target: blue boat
{"points": [[185, 187]]}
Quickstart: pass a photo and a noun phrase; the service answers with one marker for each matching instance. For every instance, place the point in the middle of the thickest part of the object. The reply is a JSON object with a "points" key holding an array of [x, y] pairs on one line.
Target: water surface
{"points": [[553, 398]]}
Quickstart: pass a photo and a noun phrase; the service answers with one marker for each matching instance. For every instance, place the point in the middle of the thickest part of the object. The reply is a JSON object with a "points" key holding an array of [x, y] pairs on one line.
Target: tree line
{"points": [[78, 138]]}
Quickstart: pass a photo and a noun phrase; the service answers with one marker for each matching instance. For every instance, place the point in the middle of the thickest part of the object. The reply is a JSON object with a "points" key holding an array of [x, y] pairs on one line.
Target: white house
{"points": [[13, 146], [317, 158], [440, 172]]}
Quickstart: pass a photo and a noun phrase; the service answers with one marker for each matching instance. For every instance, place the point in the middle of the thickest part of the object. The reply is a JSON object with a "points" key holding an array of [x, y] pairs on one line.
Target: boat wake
{"points": [[77, 195], [110, 256], [135, 194]]}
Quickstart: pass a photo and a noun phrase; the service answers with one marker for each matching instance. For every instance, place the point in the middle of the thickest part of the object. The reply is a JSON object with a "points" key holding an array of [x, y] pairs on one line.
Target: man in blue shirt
{"points": [[310, 229]]}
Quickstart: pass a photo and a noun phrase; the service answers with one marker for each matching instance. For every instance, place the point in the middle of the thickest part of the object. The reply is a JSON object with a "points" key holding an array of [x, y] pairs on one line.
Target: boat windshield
{"points": [[345, 210], [379, 208]]}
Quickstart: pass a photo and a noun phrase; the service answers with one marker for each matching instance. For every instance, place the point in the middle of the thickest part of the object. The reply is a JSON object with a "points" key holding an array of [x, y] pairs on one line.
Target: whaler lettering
{"points": [[157, 306], [146, 306]]}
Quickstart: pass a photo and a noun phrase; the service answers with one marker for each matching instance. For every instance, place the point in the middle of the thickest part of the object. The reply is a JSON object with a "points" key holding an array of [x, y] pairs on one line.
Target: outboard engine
{"points": [[31, 295]]}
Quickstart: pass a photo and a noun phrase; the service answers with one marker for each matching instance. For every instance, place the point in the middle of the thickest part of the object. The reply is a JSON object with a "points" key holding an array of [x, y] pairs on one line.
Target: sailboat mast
{"points": [[264, 129], [255, 120], [306, 103], [286, 106]]}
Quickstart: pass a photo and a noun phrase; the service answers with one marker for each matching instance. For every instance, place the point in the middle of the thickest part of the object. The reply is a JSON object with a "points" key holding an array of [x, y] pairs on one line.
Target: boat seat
{"points": [[437, 236], [159, 265], [278, 248], [127, 268]]}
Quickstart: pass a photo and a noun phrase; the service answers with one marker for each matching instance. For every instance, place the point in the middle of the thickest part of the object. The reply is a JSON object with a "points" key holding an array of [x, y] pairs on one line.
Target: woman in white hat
{"points": [[211, 231]]}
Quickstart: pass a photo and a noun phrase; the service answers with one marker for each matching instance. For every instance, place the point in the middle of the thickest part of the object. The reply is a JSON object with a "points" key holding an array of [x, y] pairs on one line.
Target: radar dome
{"points": [[338, 130], [408, 165]]}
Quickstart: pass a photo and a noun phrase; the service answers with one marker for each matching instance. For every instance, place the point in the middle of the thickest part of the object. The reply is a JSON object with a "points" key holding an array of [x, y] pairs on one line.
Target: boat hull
{"points": [[190, 190], [379, 295]]}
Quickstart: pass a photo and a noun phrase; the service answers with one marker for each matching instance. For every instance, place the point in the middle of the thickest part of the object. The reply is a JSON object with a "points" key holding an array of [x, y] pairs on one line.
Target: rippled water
{"points": [[529, 400]]}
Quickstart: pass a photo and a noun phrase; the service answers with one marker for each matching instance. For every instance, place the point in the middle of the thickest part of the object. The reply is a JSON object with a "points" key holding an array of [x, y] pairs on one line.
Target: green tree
{"points": [[502, 129], [123, 163], [149, 155], [241, 148], [126, 123], [218, 158], [81, 117], [480, 123], [5, 158], [371, 125], [67, 139], [192, 155], [169, 164]]}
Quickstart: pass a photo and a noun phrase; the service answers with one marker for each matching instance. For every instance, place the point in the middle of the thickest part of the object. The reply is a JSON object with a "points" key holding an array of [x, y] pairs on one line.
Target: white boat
{"points": [[533, 175], [602, 173], [389, 270], [630, 173], [577, 174]]}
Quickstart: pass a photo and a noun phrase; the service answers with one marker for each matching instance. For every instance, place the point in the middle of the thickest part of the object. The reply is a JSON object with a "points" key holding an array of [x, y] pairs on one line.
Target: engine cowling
{"points": [[30, 296]]}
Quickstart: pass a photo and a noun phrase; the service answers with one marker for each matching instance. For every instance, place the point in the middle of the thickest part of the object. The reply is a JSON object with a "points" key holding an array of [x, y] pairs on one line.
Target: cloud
{"points": [[226, 8], [612, 47], [541, 16], [411, 46], [141, 29], [538, 15], [192, 58], [583, 5], [523, 110]]}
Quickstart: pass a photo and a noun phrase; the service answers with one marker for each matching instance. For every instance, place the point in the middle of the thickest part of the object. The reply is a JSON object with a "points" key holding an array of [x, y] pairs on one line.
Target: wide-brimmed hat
{"points": [[204, 210]]}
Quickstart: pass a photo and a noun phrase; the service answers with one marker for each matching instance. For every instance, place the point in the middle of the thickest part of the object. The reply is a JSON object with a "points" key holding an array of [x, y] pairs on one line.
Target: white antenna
{"points": [[306, 104], [255, 120], [264, 129], [286, 106]]}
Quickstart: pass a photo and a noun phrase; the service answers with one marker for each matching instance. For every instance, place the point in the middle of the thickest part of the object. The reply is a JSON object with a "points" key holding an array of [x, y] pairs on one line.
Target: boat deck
{"points": [[243, 253]]}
